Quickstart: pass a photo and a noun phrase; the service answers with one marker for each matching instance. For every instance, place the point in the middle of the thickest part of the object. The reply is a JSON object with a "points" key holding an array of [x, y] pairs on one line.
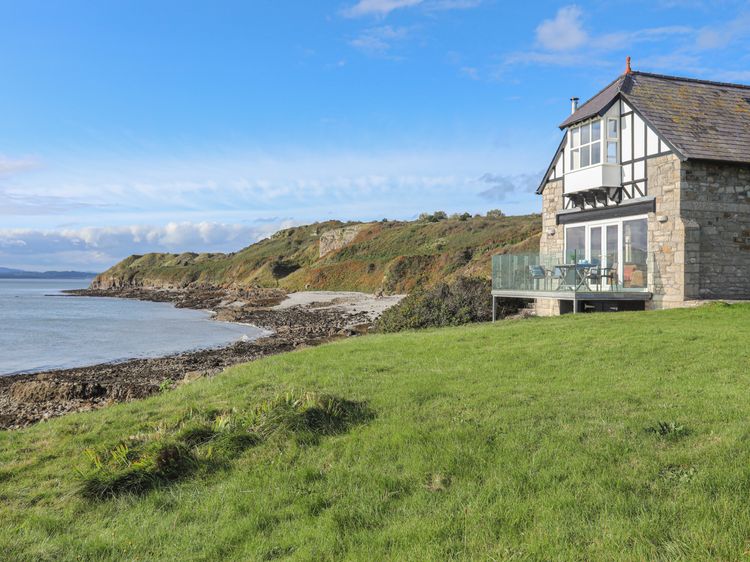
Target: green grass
{"points": [[595, 437]]}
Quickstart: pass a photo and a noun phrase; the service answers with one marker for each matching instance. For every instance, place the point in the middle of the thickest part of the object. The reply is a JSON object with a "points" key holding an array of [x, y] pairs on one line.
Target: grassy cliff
{"points": [[587, 437], [393, 256]]}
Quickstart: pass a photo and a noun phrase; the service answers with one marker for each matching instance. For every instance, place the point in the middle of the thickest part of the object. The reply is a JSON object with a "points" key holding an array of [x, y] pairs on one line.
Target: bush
{"points": [[437, 216], [495, 214], [281, 268], [468, 299]]}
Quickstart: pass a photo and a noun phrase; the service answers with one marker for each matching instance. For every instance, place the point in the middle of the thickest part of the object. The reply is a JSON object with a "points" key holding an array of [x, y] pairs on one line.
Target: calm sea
{"points": [[40, 328]]}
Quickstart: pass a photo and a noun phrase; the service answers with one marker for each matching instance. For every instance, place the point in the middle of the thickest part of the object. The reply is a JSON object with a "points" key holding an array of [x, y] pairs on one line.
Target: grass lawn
{"points": [[591, 437]]}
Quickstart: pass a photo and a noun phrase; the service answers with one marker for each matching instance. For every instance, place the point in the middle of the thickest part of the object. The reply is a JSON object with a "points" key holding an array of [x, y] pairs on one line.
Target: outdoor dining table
{"points": [[579, 277]]}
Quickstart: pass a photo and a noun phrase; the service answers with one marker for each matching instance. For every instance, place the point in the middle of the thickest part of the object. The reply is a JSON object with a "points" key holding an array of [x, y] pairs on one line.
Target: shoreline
{"points": [[318, 317]]}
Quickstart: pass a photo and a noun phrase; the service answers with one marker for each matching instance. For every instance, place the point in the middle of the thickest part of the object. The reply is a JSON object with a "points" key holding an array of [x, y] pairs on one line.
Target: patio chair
{"points": [[537, 272], [557, 274], [594, 275], [610, 274]]}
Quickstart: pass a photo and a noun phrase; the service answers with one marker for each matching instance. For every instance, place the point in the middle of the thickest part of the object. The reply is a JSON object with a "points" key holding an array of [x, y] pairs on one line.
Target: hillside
{"points": [[391, 256], [487, 442]]}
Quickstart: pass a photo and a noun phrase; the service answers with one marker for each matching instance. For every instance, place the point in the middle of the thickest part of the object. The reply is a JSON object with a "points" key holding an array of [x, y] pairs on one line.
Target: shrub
{"points": [[495, 214], [468, 299], [437, 216], [281, 268]]}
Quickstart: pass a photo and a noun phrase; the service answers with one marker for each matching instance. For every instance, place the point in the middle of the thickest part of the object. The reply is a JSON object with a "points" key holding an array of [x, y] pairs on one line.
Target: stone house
{"points": [[646, 202]]}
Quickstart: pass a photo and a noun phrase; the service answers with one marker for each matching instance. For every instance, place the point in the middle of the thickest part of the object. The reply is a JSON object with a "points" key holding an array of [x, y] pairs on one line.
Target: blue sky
{"points": [[128, 127]]}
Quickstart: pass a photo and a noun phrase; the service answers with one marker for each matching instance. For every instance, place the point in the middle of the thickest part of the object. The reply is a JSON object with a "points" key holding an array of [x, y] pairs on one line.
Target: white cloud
{"points": [[470, 72], [501, 186], [564, 32], [564, 41], [10, 166], [440, 5], [104, 246], [378, 7], [379, 40], [721, 36], [381, 8], [103, 210]]}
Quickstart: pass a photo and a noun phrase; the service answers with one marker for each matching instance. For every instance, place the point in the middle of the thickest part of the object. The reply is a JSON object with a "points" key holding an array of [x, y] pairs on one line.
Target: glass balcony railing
{"points": [[541, 273]]}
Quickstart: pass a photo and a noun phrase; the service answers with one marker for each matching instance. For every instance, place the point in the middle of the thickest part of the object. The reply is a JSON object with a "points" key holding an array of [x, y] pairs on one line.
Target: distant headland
{"points": [[7, 273]]}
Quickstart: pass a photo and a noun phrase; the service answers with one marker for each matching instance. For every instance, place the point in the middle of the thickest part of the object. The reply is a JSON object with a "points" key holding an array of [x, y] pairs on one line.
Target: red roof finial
{"points": [[628, 70]]}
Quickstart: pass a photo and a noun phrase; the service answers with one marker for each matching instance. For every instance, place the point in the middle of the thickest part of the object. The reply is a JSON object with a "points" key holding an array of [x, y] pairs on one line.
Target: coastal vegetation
{"points": [[388, 256], [588, 437], [462, 301]]}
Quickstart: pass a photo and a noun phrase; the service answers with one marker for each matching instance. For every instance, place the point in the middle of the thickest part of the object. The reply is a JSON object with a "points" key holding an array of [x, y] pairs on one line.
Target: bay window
{"points": [[586, 145], [587, 141]]}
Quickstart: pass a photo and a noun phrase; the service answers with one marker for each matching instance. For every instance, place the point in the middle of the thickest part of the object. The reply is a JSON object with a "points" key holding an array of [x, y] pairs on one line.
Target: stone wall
{"points": [[715, 199], [666, 238], [547, 307], [333, 240], [551, 246]]}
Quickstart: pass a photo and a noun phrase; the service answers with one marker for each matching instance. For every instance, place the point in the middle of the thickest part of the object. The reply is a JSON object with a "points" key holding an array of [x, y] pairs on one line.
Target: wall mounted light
{"points": [[662, 218], [551, 231]]}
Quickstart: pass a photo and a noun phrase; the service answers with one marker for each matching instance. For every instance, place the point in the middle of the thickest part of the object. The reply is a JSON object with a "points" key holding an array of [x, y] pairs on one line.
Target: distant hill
{"points": [[392, 256], [7, 273]]}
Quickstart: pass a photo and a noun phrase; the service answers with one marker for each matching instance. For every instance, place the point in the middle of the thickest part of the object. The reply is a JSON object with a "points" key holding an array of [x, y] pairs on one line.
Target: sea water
{"points": [[41, 328]]}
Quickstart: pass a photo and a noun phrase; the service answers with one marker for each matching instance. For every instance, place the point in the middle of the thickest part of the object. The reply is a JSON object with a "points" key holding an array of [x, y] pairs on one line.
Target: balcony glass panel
{"points": [[529, 273], [575, 243]]}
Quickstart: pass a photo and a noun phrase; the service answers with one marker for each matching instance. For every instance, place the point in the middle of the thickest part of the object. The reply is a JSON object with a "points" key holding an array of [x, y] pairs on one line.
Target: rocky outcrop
{"points": [[336, 239]]}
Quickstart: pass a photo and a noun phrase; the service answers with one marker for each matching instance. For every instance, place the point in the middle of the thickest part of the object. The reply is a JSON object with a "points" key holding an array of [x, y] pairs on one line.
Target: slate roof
{"points": [[698, 118], [597, 105]]}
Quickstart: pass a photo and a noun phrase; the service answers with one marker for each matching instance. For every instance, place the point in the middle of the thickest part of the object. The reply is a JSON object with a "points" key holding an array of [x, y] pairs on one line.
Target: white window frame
{"points": [[605, 222], [580, 145], [612, 139]]}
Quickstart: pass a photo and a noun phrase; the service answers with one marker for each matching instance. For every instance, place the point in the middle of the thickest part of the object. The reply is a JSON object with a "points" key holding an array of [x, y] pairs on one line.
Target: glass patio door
{"points": [[612, 256], [604, 248]]}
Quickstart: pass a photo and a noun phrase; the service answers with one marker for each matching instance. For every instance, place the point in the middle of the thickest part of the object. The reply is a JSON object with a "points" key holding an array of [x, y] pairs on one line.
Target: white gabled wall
{"points": [[637, 143]]}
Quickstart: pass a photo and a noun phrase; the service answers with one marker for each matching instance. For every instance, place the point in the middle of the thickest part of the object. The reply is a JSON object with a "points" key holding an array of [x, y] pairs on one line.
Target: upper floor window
{"points": [[586, 145], [612, 138]]}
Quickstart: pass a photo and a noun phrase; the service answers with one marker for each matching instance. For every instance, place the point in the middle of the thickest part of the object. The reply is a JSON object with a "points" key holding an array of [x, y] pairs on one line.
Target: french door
{"points": [[598, 243], [603, 247], [620, 245]]}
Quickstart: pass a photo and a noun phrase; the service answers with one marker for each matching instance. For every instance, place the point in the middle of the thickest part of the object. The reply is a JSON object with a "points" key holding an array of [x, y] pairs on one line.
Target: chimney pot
{"points": [[573, 105]]}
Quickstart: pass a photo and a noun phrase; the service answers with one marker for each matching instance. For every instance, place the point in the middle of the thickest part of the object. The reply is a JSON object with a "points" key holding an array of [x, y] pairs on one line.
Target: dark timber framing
{"points": [[636, 207], [637, 186]]}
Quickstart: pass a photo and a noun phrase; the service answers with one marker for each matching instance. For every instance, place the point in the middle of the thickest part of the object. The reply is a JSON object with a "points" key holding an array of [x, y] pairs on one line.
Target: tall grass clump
{"points": [[205, 440], [307, 415]]}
